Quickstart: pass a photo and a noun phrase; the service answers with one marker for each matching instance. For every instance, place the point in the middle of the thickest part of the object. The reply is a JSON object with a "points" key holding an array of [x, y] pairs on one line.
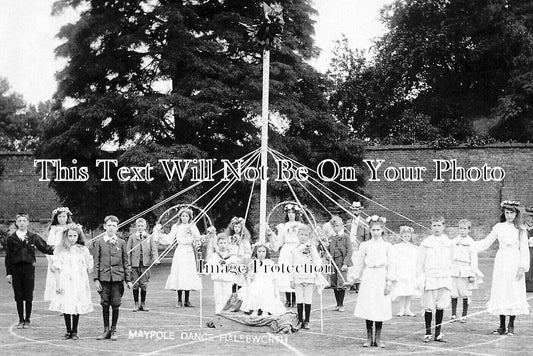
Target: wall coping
{"points": [[459, 147], [14, 153]]}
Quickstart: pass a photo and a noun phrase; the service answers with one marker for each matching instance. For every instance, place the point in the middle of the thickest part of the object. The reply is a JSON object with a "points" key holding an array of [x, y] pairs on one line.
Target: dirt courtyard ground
{"points": [[165, 330]]}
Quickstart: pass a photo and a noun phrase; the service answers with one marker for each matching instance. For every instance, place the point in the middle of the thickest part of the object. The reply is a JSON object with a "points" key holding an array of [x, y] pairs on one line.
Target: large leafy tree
{"points": [[20, 124], [181, 79], [444, 65]]}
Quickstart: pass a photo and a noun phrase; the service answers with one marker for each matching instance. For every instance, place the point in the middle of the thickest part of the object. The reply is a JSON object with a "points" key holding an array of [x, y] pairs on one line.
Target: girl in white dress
{"points": [[183, 273], [72, 262], [239, 246], [60, 218], [287, 240], [404, 265], [261, 294], [374, 301], [508, 290]]}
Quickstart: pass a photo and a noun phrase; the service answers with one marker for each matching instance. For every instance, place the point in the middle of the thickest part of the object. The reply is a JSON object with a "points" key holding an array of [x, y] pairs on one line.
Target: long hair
{"points": [[517, 222], [230, 230], [254, 253], [65, 244], [188, 211], [60, 210], [297, 215]]}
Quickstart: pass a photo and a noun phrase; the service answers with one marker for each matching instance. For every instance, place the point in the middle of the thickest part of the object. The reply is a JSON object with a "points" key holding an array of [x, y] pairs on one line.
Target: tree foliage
{"points": [[181, 79], [20, 124], [444, 65]]}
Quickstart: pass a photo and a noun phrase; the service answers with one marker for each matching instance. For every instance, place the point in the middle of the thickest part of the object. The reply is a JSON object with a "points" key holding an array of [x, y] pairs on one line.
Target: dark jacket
{"points": [[111, 261], [19, 252], [149, 249], [341, 246]]}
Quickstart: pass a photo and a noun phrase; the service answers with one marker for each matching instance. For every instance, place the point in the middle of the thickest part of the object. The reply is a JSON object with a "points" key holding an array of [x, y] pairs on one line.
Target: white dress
{"points": [[54, 239], [222, 281], [183, 273], [507, 295], [404, 265], [372, 303], [242, 251], [261, 292], [72, 265], [287, 238]]}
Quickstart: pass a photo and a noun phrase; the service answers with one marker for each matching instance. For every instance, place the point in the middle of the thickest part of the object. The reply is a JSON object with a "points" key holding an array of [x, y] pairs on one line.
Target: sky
{"points": [[28, 37]]}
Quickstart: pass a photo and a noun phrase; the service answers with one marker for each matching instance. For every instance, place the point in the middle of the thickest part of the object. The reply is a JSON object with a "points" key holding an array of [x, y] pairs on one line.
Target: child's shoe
{"points": [[136, 307], [74, 336], [305, 325], [143, 307], [510, 331], [499, 331], [113, 334], [453, 318], [104, 335], [188, 304], [462, 319], [378, 341], [27, 325], [427, 338], [410, 313], [440, 338], [20, 325], [67, 336], [369, 341], [180, 304], [340, 309]]}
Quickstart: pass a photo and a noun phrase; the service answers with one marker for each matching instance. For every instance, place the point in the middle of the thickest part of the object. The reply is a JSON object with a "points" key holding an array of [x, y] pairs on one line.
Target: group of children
{"points": [[440, 270], [443, 271]]}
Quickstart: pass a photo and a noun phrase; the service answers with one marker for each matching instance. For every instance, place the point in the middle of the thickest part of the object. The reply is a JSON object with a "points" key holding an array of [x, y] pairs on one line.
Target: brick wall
{"points": [[21, 191], [477, 201]]}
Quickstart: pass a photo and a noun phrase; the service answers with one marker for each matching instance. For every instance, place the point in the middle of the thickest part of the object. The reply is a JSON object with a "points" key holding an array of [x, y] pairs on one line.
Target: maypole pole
{"points": [[268, 34], [264, 146]]}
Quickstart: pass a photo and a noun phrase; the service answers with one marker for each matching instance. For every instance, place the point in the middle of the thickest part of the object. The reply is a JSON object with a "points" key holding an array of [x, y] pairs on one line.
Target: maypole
{"points": [[268, 34]]}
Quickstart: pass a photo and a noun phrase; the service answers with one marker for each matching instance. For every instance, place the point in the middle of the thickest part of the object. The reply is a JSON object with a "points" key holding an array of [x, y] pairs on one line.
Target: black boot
{"points": [[68, 325], [501, 330], [378, 342], [369, 334], [143, 300], [454, 309], [300, 311], [510, 328], [465, 310], [438, 322], [75, 320]]}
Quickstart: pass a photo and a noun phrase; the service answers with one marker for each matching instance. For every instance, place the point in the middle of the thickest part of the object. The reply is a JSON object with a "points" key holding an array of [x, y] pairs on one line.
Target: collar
{"points": [[22, 236], [113, 239]]}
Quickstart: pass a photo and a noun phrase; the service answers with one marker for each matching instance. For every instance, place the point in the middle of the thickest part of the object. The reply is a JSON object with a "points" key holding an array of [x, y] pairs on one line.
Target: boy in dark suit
{"points": [[111, 270], [340, 249], [20, 265], [142, 252]]}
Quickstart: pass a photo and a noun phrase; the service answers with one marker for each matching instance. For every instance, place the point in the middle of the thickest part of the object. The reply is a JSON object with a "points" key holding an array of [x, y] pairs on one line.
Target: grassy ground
{"points": [[171, 331]]}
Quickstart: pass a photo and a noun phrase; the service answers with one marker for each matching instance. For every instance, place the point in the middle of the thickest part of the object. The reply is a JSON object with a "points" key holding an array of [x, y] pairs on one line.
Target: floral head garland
{"points": [[291, 206], [62, 209], [74, 226], [235, 220], [356, 206], [375, 218], [511, 205], [408, 229]]}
